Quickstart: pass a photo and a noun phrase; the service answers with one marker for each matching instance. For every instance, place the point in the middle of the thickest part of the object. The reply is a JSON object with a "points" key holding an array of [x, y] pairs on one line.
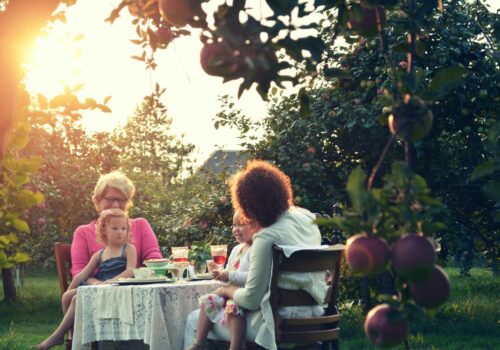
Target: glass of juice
{"points": [[180, 259], [219, 254]]}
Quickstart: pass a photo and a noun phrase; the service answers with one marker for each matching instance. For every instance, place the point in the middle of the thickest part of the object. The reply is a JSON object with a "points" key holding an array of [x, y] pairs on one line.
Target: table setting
{"points": [[152, 306]]}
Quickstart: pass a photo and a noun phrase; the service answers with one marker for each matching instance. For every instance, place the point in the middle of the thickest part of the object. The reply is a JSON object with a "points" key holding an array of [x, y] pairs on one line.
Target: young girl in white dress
{"points": [[217, 309]]}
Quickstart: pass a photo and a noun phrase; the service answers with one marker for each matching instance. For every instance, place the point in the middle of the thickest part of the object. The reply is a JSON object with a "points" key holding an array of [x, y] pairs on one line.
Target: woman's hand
{"points": [[221, 275], [226, 291]]}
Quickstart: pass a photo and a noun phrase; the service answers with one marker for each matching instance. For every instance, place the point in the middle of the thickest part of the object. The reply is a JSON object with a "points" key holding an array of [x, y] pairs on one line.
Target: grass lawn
{"points": [[470, 320]]}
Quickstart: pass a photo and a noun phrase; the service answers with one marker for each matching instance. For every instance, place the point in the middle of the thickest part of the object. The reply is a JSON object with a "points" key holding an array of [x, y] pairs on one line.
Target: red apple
{"points": [[433, 291], [176, 12], [367, 24], [216, 59], [386, 326], [413, 119], [413, 257], [164, 35], [367, 255]]}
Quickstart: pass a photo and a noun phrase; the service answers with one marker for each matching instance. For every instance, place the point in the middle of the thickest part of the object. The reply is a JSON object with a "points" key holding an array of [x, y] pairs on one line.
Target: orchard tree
{"points": [[347, 127], [147, 144], [17, 196], [240, 44], [68, 172], [155, 159]]}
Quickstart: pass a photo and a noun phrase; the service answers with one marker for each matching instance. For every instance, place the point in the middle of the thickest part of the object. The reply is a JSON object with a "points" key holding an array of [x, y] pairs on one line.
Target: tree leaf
{"points": [[21, 225], [303, 98], [485, 168], [447, 79], [356, 189], [19, 258]]}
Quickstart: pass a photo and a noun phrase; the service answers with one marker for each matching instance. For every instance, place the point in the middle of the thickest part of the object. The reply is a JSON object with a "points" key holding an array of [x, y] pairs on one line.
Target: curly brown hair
{"points": [[262, 192], [103, 221]]}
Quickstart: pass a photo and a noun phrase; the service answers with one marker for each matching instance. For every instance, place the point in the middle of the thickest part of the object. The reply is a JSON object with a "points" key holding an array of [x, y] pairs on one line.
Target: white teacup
{"points": [[143, 272]]}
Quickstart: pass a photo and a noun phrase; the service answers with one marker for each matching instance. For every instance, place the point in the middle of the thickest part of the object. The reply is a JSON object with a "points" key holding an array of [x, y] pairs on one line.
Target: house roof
{"points": [[228, 161]]}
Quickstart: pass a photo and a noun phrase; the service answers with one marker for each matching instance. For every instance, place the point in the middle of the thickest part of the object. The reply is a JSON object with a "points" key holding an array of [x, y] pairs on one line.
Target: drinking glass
{"points": [[219, 254], [180, 260]]}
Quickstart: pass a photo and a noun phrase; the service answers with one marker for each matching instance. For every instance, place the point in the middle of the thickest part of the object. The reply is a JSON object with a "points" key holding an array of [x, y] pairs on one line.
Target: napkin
{"points": [[115, 303]]}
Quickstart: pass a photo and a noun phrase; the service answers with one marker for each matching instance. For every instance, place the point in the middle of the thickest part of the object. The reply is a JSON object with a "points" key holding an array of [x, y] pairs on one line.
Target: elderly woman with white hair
{"points": [[113, 190]]}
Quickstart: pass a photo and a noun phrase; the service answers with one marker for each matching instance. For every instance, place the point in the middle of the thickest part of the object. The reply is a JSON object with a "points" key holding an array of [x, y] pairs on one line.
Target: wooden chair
{"points": [[321, 331], [306, 333], [62, 253]]}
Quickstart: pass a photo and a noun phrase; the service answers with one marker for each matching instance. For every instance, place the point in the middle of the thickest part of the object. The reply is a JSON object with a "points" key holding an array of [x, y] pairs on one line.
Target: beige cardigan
{"points": [[295, 227]]}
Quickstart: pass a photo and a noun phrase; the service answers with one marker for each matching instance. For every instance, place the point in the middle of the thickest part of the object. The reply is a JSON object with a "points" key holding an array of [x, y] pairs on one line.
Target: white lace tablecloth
{"points": [[157, 315]]}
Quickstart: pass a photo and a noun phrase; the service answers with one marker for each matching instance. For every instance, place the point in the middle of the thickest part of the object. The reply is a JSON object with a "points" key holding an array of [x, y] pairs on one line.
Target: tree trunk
{"points": [[19, 25], [9, 287], [366, 301]]}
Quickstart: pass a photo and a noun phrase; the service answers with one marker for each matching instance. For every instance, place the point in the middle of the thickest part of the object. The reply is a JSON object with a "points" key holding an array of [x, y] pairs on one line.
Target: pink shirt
{"points": [[84, 244]]}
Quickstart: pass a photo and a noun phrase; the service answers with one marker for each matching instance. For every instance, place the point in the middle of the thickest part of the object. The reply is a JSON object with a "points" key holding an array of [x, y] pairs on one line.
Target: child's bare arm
{"points": [[86, 272], [131, 264]]}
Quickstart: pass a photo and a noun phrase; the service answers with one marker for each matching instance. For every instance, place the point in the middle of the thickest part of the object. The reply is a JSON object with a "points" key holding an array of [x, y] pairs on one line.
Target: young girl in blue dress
{"points": [[115, 260]]}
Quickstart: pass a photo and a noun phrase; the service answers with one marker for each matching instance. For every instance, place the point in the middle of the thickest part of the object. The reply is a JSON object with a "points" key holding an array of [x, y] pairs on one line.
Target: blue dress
{"points": [[110, 268]]}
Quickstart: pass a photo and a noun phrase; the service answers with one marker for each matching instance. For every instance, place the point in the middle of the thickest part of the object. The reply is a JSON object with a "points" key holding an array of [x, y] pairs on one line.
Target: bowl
{"points": [[156, 262], [143, 272], [159, 271]]}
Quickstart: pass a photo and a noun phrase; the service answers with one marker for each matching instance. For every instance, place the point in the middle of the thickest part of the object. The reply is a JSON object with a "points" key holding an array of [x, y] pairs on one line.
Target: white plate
{"points": [[201, 277], [125, 281]]}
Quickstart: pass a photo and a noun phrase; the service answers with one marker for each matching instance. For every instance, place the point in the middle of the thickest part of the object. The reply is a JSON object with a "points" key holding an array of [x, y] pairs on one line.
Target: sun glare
{"points": [[54, 63]]}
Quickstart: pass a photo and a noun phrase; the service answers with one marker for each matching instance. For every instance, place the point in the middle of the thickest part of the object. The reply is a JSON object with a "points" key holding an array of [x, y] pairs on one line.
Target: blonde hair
{"points": [[117, 180], [103, 221]]}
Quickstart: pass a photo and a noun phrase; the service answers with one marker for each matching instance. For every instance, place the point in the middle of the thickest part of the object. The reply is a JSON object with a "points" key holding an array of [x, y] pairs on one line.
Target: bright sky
{"points": [[105, 68]]}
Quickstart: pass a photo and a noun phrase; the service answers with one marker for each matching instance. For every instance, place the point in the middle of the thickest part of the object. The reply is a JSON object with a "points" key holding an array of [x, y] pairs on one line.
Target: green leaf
{"points": [[282, 7], [305, 110], [312, 44], [486, 168], [446, 79], [356, 189], [4, 241], [21, 225], [24, 199], [3, 259], [29, 165], [19, 258]]}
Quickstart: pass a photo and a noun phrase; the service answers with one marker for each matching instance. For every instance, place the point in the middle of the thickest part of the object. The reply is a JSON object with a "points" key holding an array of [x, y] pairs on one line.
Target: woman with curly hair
{"points": [[263, 194]]}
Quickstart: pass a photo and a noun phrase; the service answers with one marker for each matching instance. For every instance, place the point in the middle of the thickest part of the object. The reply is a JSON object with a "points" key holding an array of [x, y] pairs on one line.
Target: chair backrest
{"points": [[62, 253], [307, 330]]}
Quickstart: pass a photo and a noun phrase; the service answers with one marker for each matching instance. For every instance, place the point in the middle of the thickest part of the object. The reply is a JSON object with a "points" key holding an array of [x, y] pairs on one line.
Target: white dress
{"points": [[216, 307]]}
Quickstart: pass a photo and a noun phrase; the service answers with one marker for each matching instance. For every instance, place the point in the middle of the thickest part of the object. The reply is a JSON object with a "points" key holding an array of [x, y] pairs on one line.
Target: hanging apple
{"points": [[432, 291], [386, 326], [176, 12], [413, 257], [411, 119], [367, 255]]}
